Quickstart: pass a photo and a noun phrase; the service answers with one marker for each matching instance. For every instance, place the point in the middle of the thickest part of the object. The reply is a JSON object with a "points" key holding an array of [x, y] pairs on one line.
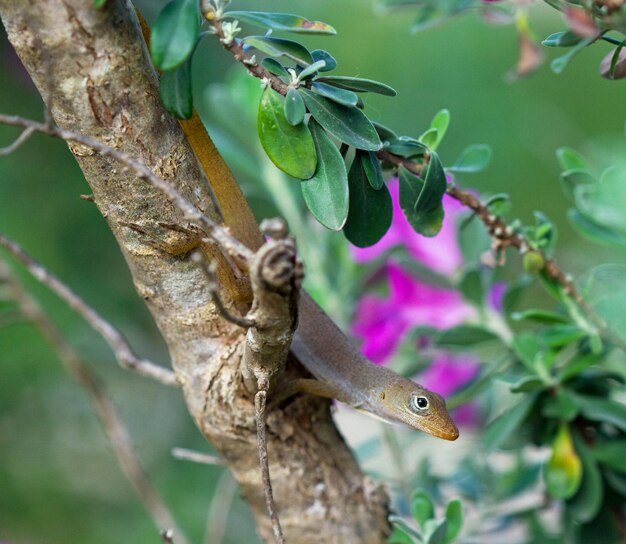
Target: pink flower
{"points": [[382, 322], [441, 253]]}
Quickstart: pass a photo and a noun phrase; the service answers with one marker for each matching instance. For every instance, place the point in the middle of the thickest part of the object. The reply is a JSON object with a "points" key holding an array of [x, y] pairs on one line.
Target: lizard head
{"points": [[419, 408]]}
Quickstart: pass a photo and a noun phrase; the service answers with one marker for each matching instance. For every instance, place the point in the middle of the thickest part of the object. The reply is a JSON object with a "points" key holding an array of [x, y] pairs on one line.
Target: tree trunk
{"points": [[102, 84]]}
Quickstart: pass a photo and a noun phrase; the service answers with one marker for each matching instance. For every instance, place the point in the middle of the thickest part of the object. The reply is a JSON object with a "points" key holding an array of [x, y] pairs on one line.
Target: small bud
{"points": [[533, 262]]}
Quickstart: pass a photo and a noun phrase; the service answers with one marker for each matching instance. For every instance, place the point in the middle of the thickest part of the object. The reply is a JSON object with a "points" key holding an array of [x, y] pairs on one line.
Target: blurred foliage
{"points": [[548, 466]]}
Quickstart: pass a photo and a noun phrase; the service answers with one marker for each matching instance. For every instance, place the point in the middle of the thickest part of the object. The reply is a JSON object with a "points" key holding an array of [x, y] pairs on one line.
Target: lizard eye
{"points": [[419, 403]]}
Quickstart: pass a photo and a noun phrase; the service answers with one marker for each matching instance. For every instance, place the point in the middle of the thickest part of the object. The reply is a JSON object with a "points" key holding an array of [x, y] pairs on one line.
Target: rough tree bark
{"points": [[103, 85]]}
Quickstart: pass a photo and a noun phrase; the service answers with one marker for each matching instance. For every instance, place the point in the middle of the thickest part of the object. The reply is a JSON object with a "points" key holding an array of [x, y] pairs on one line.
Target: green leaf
{"points": [[406, 147], [430, 138], [584, 506], [499, 204], [463, 336], [570, 159], [615, 59], [411, 187], [602, 410], [369, 211], [527, 384], [611, 453], [435, 532], [471, 286], [326, 193], [385, 133], [562, 407], [558, 65], [454, 517], [347, 124], [294, 107], [282, 21], [274, 67], [541, 316], [320, 54], [341, 96], [312, 69], [570, 179], [594, 232], [434, 186], [403, 533], [278, 47], [422, 508], [562, 39], [603, 202], [440, 124], [372, 168], [174, 34], [507, 423], [475, 158], [358, 84], [563, 472], [290, 148], [605, 292], [99, 4], [175, 90]]}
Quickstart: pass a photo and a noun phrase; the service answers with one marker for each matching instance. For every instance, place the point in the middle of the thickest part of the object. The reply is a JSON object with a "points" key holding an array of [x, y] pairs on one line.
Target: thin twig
{"points": [[121, 349], [20, 140], [196, 456], [496, 226], [217, 517], [259, 405], [212, 285], [113, 426]]}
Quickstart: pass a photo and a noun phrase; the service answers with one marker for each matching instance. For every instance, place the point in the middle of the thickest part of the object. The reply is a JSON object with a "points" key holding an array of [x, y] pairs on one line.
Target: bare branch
{"points": [[113, 426], [196, 457], [19, 141], [121, 349], [259, 404]]}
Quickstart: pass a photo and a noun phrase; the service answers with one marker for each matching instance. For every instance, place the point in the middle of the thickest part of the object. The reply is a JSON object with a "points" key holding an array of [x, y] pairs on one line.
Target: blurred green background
{"points": [[59, 481]]}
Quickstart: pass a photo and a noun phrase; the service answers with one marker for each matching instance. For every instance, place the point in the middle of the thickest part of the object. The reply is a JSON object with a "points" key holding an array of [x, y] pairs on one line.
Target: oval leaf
{"points": [[320, 54], [290, 148], [274, 67], [341, 96], [426, 223], [434, 186], [174, 34], [370, 211], [282, 21], [175, 90], [474, 158], [454, 517], [372, 168], [294, 107], [347, 124], [502, 427], [359, 85], [422, 508], [277, 47], [326, 193]]}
